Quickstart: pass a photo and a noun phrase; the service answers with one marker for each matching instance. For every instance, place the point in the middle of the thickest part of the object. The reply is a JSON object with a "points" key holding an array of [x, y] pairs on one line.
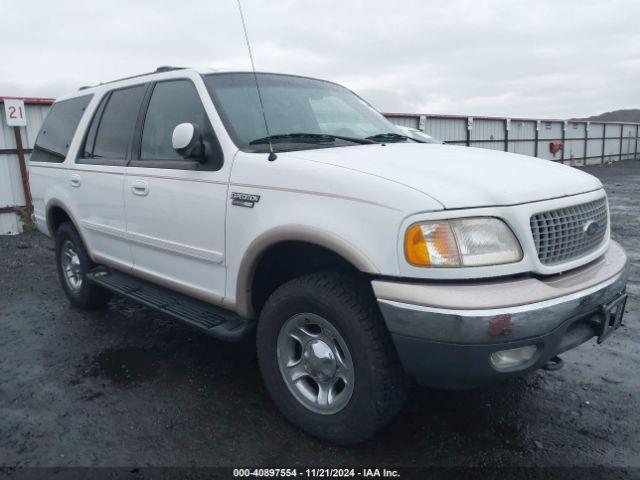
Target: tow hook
{"points": [[553, 364]]}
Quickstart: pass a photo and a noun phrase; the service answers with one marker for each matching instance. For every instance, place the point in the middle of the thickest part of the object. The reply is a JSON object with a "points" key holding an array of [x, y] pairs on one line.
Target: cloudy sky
{"points": [[543, 58]]}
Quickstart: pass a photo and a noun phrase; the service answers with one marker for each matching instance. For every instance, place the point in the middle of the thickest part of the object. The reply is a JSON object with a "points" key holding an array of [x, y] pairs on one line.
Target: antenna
{"points": [[272, 155]]}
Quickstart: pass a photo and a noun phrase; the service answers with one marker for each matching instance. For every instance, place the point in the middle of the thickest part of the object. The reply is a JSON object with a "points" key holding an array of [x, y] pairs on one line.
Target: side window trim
{"points": [[136, 144], [143, 108], [97, 116], [136, 161]]}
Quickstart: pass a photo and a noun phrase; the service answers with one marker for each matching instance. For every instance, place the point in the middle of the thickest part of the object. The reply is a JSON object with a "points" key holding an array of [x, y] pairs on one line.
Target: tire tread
{"points": [[391, 384]]}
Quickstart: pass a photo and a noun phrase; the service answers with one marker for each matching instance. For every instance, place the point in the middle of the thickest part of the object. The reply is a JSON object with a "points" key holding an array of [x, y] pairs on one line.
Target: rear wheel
{"points": [[327, 358], [73, 264]]}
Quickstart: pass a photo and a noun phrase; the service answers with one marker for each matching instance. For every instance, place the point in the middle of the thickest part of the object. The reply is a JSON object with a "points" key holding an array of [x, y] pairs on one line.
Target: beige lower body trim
{"points": [[188, 290], [110, 262], [157, 243], [504, 292]]}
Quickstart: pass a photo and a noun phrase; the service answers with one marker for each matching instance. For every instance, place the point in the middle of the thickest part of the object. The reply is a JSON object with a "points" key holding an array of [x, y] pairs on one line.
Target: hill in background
{"points": [[626, 115]]}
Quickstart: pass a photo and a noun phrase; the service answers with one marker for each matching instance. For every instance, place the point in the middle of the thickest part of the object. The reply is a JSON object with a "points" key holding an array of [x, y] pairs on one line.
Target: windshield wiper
{"points": [[390, 136], [309, 138]]}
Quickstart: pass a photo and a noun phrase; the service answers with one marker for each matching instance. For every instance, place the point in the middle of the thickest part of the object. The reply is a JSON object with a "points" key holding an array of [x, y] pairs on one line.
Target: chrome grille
{"points": [[561, 235]]}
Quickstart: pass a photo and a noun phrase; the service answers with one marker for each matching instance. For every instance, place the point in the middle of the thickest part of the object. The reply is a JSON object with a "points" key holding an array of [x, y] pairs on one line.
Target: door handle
{"points": [[74, 180], [140, 187]]}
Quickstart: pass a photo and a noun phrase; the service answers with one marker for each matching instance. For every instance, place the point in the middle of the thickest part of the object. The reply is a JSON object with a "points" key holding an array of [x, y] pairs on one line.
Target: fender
{"points": [[291, 233], [54, 202]]}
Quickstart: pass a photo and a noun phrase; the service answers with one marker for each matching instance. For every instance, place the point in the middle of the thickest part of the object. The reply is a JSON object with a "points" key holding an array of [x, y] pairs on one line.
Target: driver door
{"points": [[175, 207]]}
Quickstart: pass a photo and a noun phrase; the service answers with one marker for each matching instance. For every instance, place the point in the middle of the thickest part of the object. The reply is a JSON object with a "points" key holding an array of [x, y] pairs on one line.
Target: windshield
{"points": [[302, 113]]}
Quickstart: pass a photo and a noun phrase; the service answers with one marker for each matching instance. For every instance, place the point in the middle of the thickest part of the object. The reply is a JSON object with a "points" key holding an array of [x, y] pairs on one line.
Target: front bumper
{"points": [[445, 333]]}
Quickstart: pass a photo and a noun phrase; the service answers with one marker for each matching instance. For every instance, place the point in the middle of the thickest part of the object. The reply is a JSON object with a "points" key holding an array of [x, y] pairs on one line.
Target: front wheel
{"points": [[327, 358]]}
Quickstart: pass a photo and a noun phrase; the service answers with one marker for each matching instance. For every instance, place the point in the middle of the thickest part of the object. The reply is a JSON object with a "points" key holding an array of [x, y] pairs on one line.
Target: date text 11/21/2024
{"points": [[316, 473]]}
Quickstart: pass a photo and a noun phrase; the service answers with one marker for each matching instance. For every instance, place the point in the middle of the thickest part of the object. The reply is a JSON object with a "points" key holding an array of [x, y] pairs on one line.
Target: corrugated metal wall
{"points": [[11, 191], [603, 141]]}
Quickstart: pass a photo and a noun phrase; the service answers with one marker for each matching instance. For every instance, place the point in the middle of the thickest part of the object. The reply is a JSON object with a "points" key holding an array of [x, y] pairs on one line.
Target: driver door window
{"points": [[171, 104]]}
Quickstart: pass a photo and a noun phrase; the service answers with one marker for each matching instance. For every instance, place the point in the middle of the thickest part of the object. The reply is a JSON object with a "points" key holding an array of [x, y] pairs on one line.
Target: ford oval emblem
{"points": [[591, 228]]}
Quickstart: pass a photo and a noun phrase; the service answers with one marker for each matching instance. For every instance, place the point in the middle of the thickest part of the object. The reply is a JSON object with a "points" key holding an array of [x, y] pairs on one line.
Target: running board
{"points": [[215, 321]]}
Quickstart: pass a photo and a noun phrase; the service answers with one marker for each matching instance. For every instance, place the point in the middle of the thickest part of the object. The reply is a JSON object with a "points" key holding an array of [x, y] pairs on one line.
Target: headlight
{"points": [[466, 242]]}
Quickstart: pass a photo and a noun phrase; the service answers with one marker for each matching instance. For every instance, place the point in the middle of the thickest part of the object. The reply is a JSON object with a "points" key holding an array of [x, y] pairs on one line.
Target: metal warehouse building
{"points": [[16, 144], [574, 142], [569, 141]]}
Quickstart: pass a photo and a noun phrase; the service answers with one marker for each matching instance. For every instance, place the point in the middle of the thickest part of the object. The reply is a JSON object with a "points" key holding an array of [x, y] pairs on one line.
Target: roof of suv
{"points": [[160, 72], [164, 72]]}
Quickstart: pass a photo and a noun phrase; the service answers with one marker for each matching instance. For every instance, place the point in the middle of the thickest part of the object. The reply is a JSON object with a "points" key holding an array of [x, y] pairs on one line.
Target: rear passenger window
{"points": [[116, 123], [172, 103], [58, 129]]}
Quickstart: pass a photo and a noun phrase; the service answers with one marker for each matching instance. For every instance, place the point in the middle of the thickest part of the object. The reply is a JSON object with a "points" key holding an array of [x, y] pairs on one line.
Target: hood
{"points": [[460, 177]]}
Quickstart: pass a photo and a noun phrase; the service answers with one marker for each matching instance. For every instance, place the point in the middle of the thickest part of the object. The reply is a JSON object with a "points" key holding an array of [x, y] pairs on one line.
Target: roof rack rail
{"points": [[167, 68], [164, 68]]}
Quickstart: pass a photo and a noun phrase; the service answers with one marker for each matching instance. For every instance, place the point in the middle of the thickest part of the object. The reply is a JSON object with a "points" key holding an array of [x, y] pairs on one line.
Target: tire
{"points": [[378, 386], [80, 293]]}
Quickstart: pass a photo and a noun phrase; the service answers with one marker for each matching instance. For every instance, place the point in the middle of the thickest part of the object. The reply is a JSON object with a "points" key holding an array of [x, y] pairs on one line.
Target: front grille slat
{"points": [[560, 235]]}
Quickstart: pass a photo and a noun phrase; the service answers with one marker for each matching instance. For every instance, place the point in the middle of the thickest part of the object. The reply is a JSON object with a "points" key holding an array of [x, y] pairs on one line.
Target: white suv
{"points": [[359, 257]]}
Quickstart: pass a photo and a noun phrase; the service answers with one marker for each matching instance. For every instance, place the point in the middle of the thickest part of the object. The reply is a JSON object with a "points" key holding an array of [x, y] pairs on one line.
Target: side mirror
{"points": [[187, 141]]}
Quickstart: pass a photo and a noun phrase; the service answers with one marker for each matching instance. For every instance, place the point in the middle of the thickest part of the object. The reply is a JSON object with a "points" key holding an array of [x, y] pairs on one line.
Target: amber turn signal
{"points": [[415, 247]]}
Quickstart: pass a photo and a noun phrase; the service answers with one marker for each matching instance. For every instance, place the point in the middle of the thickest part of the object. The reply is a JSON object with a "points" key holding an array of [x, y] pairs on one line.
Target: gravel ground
{"points": [[126, 386]]}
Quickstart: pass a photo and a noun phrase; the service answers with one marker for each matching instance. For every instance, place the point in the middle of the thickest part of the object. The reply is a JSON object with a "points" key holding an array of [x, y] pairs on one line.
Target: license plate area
{"points": [[611, 316]]}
